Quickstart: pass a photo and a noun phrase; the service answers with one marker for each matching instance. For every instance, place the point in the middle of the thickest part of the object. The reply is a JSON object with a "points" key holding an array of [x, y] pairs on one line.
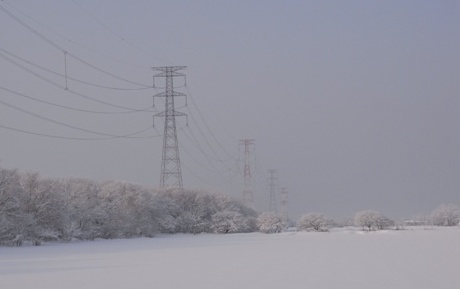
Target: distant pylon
{"points": [[171, 175], [272, 204], [284, 205], [248, 193]]}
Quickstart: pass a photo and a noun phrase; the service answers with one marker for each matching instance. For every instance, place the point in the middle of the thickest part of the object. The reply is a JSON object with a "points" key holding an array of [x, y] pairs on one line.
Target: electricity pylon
{"points": [[248, 192], [171, 175], [284, 205], [272, 204]]}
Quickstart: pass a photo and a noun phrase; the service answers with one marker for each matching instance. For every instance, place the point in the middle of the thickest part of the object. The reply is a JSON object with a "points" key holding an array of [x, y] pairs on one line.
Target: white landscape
{"points": [[414, 258]]}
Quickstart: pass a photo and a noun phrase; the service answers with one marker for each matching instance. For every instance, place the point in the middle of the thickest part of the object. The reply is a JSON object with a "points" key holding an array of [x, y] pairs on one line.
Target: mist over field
{"points": [[355, 104]]}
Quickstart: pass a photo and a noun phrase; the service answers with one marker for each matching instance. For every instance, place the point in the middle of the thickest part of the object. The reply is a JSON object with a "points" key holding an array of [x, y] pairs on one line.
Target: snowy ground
{"points": [[413, 258]]}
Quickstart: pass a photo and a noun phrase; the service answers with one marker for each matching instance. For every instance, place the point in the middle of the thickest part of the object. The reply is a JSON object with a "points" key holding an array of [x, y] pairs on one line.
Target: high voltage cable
{"points": [[196, 176], [73, 41], [31, 29], [106, 72], [70, 90], [121, 37], [66, 76], [196, 144], [197, 162], [57, 122], [79, 138], [58, 105], [217, 158], [62, 50], [214, 168], [206, 124]]}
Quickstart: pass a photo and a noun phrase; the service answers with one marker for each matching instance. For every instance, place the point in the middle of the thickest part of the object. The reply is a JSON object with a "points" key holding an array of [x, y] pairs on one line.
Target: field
{"points": [[415, 258]]}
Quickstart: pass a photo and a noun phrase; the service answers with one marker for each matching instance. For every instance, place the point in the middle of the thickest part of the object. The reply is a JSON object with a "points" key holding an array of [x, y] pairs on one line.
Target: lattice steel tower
{"points": [[272, 204], [284, 205], [248, 192], [171, 175]]}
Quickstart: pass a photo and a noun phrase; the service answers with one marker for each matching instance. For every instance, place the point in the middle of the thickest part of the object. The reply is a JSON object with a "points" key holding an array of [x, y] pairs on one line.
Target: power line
{"points": [[65, 76], [105, 55], [69, 90], [55, 121], [62, 50], [31, 29], [195, 142], [206, 124], [111, 30], [192, 157], [80, 138], [106, 72], [58, 105]]}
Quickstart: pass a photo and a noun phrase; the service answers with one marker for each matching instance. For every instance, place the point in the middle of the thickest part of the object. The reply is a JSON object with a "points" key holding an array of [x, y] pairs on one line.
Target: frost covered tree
{"points": [[372, 220], [187, 211], [270, 223], [446, 215], [127, 211], [41, 208], [9, 207], [34, 209], [312, 221]]}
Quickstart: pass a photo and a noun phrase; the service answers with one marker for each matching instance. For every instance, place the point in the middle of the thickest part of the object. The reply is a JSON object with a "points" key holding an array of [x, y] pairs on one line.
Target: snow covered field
{"points": [[413, 258]]}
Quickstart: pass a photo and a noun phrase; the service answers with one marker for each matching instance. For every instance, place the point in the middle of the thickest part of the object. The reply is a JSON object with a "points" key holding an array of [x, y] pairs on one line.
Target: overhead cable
{"points": [[206, 124], [62, 50], [69, 90], [57, 122], [79, 138]]}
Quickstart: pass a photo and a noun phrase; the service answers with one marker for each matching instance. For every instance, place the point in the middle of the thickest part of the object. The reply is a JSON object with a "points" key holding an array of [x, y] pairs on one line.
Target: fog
{"points": [[355, 103]]}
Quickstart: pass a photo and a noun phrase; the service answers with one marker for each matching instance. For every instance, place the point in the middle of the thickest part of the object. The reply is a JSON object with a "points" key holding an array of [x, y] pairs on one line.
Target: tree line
{"points": [[35, 209], [370, 220]]}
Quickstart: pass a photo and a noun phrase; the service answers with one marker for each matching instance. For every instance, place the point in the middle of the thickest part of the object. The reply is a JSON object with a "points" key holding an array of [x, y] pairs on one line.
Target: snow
{"points": [[414, 258]]}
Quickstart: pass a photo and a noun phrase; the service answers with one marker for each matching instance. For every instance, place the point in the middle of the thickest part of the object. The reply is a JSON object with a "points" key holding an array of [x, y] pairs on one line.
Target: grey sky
{"points": [[355, 103]]}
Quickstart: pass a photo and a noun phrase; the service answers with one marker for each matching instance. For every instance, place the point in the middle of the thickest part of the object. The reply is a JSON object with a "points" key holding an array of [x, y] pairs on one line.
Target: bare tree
{"points": [[9, 207]]}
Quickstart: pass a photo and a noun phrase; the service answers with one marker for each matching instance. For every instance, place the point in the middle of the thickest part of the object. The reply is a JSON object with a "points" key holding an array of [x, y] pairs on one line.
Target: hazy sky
{"points": [[355, 103]]}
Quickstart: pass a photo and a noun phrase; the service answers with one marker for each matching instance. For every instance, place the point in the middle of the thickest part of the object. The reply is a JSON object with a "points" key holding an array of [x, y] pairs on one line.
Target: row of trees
{"points": [[36, 209], [443, 215]]}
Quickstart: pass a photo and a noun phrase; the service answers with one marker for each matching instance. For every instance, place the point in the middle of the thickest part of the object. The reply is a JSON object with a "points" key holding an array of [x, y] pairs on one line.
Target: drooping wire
{"points": [[197, 176], [193, 139], [57, 122], [192, 157], [105, 55], [111, 30], [65, 70], [206, 124], [70, 90], [62, 50], [106, 72], [65, 76], [79, 138], [58, 105]]}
